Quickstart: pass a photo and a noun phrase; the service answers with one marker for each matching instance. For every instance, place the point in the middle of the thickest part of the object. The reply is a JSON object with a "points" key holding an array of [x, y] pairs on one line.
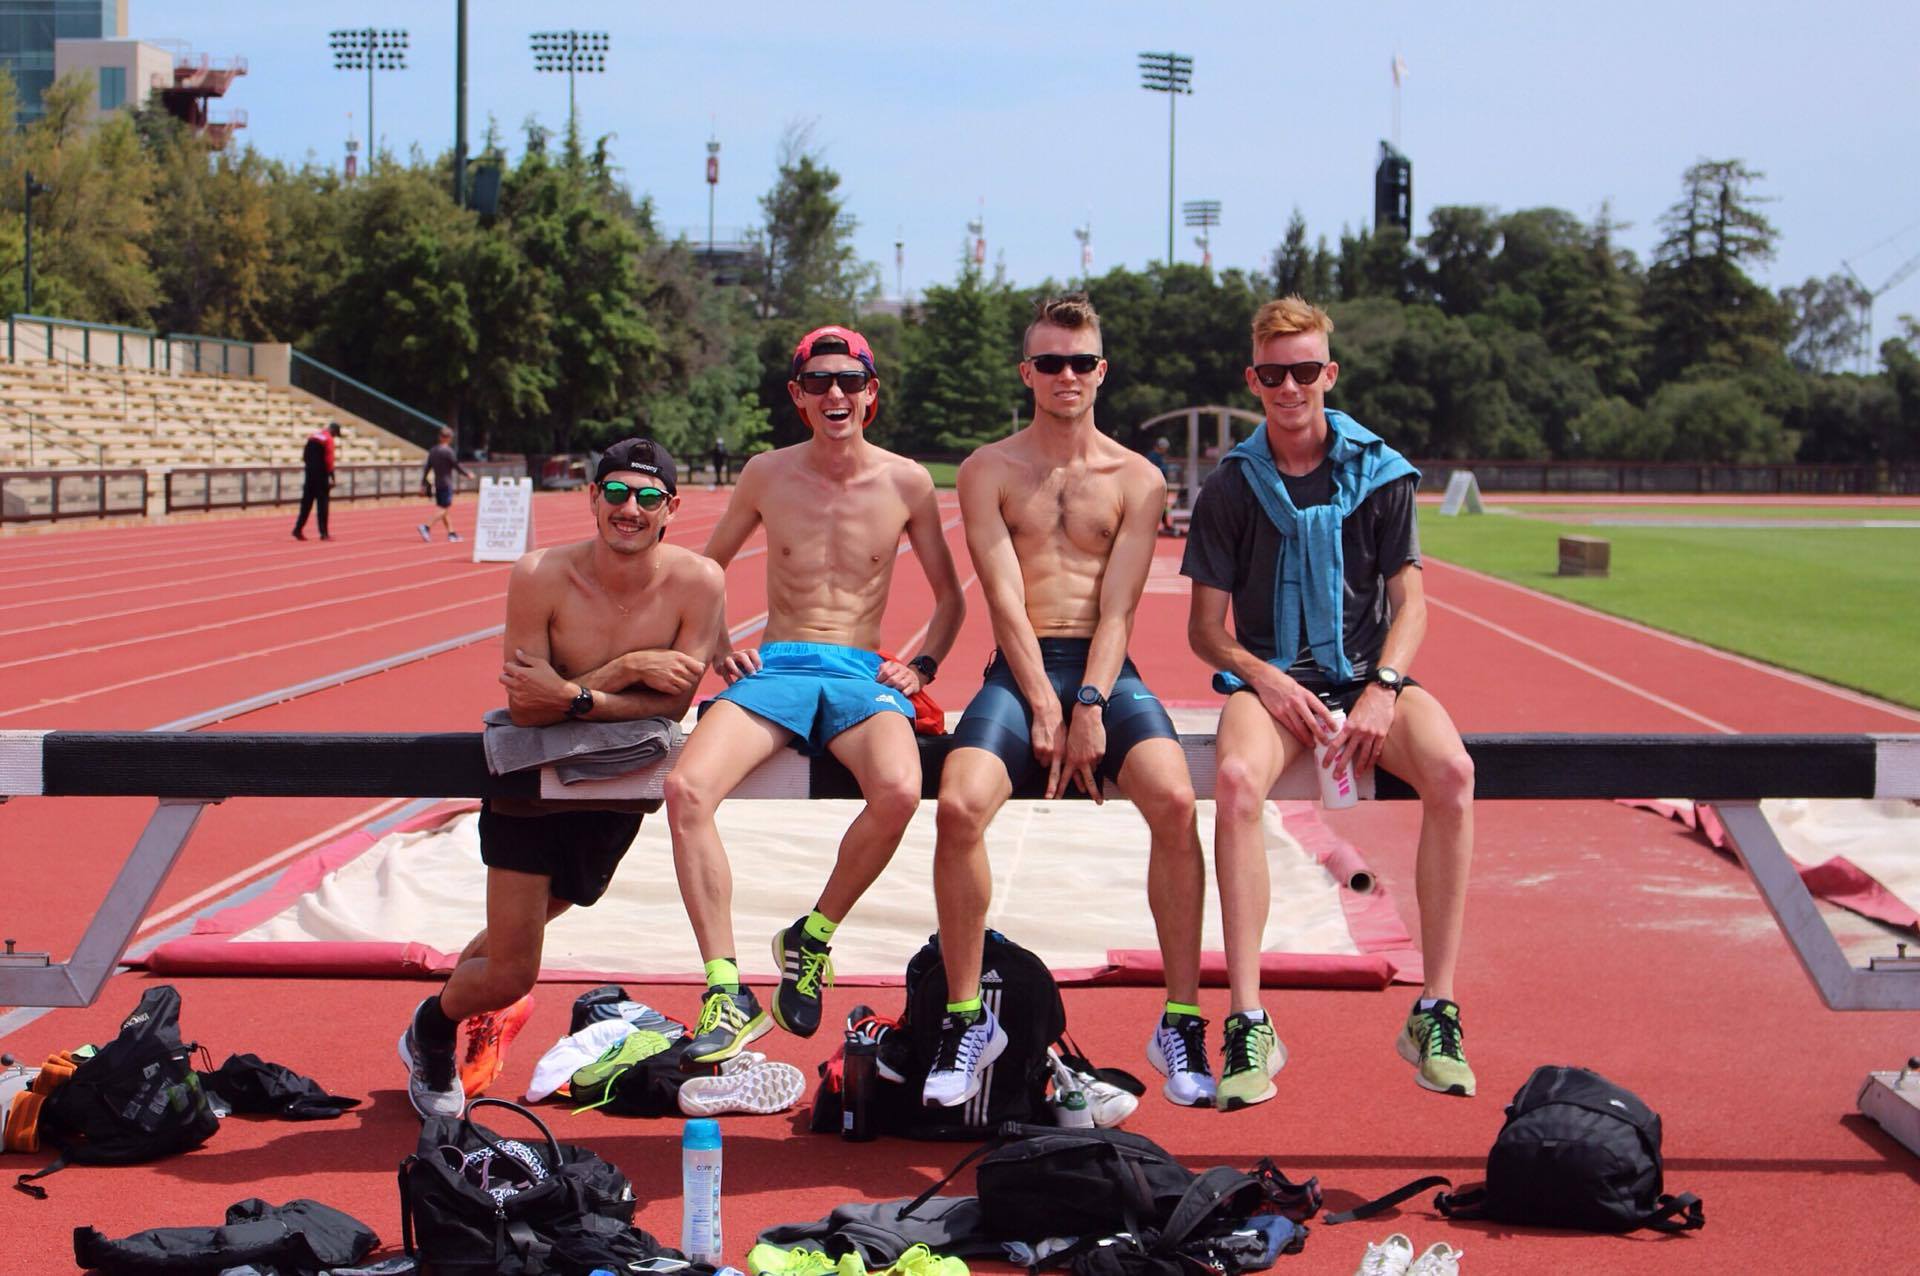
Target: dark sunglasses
{"points": [[850, 383], [1050, 364], [1275, 374], [615, 493]]}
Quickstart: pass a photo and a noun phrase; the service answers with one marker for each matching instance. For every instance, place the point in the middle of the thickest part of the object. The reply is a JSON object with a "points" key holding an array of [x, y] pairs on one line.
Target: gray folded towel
{"points": [[577, 750]]}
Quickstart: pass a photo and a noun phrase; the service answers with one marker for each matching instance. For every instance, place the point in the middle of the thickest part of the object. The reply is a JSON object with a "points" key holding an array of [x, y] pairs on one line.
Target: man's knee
{"points": [[1446, 782], [961, 820], [893, 798], [689, 796], [1238, 790], [1166, 803]]}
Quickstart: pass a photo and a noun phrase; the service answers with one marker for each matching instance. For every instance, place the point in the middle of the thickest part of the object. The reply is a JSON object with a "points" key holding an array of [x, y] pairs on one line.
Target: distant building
{"points": [[29, 30], [127, 72]]}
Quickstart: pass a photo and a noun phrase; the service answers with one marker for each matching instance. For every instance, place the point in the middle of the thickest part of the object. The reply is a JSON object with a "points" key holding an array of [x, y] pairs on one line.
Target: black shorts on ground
{"points": [[1334, 695], [577, 850], [999, 720]]}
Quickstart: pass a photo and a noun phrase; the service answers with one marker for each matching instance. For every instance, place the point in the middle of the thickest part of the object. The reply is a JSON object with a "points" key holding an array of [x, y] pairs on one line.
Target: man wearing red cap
{"points": [[834, 508]]}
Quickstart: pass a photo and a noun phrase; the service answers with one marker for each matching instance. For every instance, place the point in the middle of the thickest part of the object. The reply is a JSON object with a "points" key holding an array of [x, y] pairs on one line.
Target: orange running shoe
{"points": [[488, 1037]]}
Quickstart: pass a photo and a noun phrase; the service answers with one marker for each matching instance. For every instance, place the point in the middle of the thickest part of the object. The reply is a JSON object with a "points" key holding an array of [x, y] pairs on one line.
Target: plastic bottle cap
{"points": [[702, 1135]]}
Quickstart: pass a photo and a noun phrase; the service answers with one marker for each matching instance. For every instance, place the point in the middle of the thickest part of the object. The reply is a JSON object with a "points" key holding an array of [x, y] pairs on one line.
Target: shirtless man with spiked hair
{"points": [[1061, 522], [834, 509]]}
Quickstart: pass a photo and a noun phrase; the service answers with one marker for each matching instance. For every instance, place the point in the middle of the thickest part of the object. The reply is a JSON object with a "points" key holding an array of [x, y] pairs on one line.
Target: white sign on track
{"points": [[504, 529], [1463, 493]]}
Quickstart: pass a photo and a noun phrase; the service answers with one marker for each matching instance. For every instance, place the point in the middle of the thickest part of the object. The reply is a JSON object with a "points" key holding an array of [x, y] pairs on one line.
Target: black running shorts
{"points": [[1335, 695], [999, 721], [577, 851]]}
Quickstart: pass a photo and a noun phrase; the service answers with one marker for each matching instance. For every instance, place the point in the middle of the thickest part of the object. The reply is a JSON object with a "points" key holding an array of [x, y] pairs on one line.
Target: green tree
{"points": [[1719, 418], [211, 238], [962, 389], [1706, 312], [808, 269], [1826, 317]]}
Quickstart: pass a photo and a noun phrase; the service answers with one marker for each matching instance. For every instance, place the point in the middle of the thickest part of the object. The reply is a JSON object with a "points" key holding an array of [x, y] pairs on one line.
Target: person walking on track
{"points": [[316, 489], [436, 479]]}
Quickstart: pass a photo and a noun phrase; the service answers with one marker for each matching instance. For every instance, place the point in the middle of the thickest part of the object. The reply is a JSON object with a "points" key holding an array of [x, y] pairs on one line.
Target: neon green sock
{"points": [[723, 973], [1182, 1008], [818, 926], [969, 1009]]}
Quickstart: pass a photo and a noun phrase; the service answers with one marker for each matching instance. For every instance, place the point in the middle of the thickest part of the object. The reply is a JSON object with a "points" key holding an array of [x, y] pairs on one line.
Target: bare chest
{"points": [[815, 528], [1064, 507], [587, 631]]}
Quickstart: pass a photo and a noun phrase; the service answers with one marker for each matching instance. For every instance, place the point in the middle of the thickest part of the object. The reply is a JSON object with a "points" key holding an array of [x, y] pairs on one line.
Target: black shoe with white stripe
{"points": [[806, 971], [968, 1046]]}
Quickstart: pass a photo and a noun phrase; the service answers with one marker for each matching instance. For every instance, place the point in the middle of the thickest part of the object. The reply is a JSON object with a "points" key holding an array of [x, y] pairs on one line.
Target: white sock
{"points": [[1426, 1003], [1256, 1015]]}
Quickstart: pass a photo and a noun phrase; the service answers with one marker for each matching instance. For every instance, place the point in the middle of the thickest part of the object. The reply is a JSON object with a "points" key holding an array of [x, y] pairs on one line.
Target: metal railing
{"points": [[80, 341], [220, 487], [1677, 477], [37, 426], [39, 496], [363, 401]]}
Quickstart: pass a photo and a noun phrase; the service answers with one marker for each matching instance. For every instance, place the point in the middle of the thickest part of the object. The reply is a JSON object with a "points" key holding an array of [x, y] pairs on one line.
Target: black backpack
{"points": [[452, 1220], [1037, 1181], [1019, 989], [1577, 1151], [136, 1099]]}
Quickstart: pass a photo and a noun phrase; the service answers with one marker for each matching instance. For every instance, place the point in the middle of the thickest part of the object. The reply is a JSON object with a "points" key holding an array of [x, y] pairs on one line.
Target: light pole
{"points": [[1085, 235], [575, 52], [460, 105], [1171, 74], [370, 49], [34, 187], [713, 185], [1204, 213]]}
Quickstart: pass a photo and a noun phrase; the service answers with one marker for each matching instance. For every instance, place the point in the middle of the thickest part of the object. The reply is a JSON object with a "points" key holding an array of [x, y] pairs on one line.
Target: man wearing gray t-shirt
{"points": [[436, 480], [1307, 531]]}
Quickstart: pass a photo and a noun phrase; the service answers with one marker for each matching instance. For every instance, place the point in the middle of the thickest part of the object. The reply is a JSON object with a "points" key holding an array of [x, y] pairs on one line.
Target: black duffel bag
{"points": [[474, 1203]]}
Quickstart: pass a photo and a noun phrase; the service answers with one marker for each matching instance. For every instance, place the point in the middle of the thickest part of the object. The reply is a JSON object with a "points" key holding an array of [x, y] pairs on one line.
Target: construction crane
{"points": [[1866, 297]]}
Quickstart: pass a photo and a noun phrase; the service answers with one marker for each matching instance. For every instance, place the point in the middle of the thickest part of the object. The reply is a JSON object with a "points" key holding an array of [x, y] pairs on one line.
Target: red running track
{"points": [[1598, 935]]}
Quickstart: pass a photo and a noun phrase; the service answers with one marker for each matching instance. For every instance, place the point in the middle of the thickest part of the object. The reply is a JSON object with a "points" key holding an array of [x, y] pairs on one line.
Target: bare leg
{"points": [[727, 745], [502, 962], [1425, 750], [1154, 778], [973, 788], [1252, 751], [885, 760]]}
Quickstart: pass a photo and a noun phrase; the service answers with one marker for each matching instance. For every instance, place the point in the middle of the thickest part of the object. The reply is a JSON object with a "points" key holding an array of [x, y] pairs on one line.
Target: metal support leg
{"points": [[1889, 984], [32, 979]]}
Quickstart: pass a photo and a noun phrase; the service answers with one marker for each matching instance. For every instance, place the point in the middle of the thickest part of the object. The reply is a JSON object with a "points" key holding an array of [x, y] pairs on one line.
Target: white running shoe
{"points": [[1389, 1257], [433, 1076], [762, 1086], [962, 1058], [1179, 1052], [1109, 1104], [425, 535], [1441, 1259]]}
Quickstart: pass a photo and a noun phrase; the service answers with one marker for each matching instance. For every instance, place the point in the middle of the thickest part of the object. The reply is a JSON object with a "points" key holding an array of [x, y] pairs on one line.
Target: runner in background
{"points": [[436, 479]]}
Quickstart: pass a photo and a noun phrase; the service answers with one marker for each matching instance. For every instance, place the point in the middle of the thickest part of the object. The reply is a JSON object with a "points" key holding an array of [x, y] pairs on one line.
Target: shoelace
{"points": [[483, 1037], [813, 965], [1443, 1035], [1188, 1042], [1380, 1261], [436, 1067], [959, 1049], [1240, 1038], [714, 1011]]}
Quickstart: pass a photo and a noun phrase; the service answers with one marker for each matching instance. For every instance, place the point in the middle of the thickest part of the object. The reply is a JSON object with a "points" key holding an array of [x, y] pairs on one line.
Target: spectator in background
{"points": [[1160, 462], [719, 459], [436, 479], [317, 457]]}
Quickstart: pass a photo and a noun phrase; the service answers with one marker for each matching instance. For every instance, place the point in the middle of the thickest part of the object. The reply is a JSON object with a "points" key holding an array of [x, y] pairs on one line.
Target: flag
{"points": [[1399, 70]]}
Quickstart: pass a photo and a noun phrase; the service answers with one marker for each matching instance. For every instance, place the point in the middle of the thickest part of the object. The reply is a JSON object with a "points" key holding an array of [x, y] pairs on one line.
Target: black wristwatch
{"points": [[1392, 679], [924, 665], [1090, 696], [582, 704]]}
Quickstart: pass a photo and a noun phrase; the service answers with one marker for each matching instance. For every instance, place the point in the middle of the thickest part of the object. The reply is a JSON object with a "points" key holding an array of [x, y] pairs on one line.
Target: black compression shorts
{"points": [[999, 720], [576, 850]]}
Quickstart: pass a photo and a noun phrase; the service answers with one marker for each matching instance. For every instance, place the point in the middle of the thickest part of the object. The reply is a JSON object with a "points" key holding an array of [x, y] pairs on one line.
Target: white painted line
{"points": [[1788, 675], [1584, 667]]}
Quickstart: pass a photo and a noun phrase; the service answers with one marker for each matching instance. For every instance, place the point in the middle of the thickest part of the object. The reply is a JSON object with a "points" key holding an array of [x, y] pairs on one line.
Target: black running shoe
{"points": [[728, 1021], [806, 971]]}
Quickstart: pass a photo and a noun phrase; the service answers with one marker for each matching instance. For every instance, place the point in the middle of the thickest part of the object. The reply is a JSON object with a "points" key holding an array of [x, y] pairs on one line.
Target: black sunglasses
{"points": [[615, 493], [1275, 374], [1050, 364], [850, 383]]}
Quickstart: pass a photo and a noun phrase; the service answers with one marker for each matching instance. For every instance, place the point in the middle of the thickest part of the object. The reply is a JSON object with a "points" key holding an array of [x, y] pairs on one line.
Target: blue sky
{"points": [[929, 109]]}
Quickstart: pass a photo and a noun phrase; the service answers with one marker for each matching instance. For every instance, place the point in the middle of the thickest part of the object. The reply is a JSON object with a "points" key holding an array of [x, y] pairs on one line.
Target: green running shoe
{"points": [[771, 1260], [1431, 1042], [592, 1084], [806, 971], [1253, 1055], [728, 1021]]}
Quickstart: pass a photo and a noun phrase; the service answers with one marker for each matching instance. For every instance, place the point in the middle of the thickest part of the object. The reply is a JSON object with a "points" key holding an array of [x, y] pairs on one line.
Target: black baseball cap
{"points": [[643, 456]]}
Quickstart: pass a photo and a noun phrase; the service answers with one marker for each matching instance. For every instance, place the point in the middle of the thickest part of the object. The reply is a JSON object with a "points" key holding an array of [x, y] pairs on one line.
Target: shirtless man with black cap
{"points": [[614, 628]]}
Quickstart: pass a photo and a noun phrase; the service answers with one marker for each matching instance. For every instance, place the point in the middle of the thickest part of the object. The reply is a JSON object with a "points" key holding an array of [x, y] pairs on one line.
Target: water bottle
{"points": [[700, 1191], [859, 1074], [1336, 792]]}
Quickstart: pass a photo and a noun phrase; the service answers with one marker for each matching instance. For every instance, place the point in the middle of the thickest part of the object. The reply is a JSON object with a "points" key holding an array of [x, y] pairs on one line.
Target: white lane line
{"points": [[1745, 662], [1583, 666]]}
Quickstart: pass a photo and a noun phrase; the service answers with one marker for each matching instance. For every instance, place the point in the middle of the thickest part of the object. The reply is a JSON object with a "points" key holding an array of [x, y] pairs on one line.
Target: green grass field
{"points": [[1729, 513], [942, 471], [1841, 604]]}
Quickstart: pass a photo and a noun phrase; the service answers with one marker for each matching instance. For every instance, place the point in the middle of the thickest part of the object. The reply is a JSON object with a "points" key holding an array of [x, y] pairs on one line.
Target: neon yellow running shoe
{"points": [[1432, 1042]]}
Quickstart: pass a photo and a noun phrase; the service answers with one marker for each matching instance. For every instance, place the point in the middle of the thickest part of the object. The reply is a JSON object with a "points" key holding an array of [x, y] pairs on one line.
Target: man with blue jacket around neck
{"points": [[1307, 531]]}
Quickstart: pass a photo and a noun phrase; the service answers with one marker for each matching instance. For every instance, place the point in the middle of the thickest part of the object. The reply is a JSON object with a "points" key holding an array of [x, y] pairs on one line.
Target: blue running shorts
{"points": [[999, 721], [816, 690]]}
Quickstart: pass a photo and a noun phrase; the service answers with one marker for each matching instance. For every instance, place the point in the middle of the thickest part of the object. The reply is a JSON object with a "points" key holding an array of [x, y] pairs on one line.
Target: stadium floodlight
{"points": [[1204, 213], [575, 52], [1171, 74], [369, 49]]}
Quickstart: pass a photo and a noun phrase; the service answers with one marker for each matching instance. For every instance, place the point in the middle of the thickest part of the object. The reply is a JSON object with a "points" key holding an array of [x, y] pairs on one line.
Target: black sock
{"points": [[431, 1025]]}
